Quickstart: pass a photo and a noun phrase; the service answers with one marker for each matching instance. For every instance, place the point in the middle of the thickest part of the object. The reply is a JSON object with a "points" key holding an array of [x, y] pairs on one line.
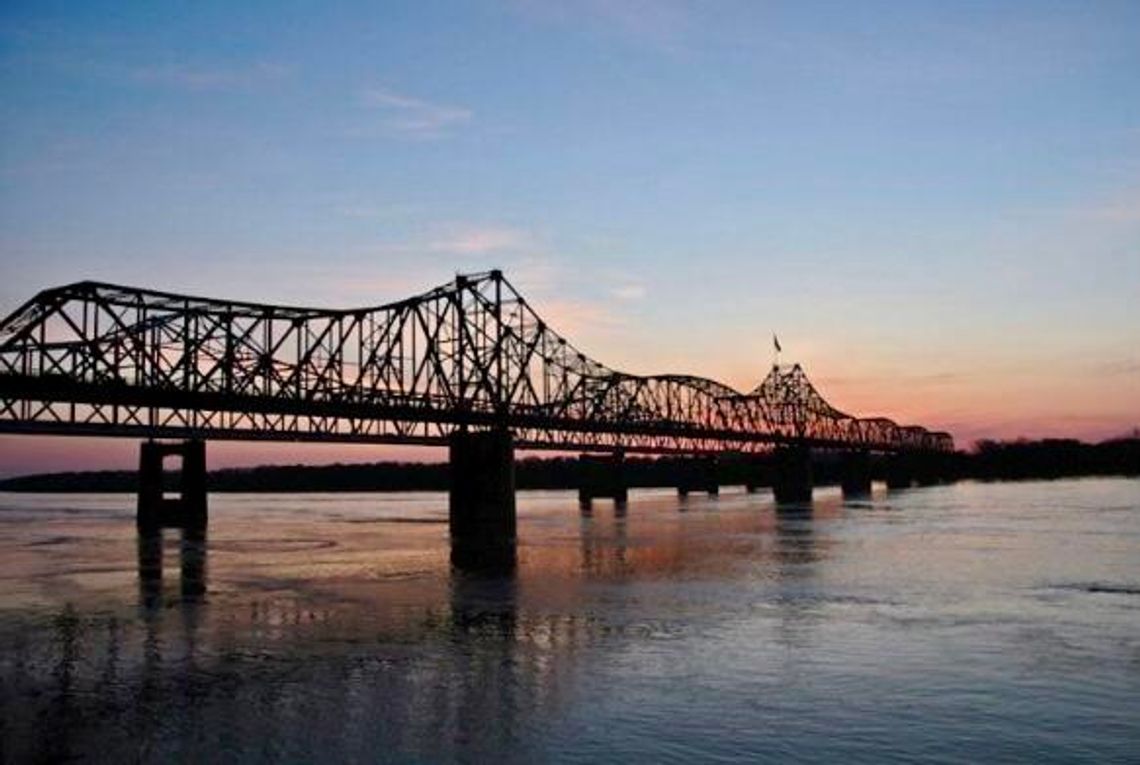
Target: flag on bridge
{"points": [[776, 342]]}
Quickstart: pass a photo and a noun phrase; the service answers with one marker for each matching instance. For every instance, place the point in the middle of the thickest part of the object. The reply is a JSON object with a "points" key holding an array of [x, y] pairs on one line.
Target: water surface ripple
{"points": [[966, 623]]}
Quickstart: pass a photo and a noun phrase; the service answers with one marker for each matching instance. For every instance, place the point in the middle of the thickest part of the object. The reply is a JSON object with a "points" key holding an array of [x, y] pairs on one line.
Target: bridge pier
{"points": [[900, 471], [697, 474], [481, 501], [756, 474], [928, 469], [792, 482], [602, 475], [154, 509], [855, 474]]}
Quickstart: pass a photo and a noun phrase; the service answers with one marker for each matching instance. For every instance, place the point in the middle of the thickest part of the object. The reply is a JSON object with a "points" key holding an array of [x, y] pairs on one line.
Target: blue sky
{"points": [[936, 205]]}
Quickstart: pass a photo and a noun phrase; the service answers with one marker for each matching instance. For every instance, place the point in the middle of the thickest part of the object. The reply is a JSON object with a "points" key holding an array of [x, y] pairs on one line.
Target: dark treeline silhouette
{"points": [[990, 460], [530, 473], [1051, 458]]}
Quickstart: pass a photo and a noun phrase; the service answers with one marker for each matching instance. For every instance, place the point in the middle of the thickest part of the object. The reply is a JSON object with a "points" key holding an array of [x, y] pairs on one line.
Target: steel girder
{"points": [[105, 359]]}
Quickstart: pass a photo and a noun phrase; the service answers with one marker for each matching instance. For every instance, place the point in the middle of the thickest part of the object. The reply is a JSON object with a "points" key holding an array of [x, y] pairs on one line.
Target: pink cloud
{"points": [[414, 117], [481, 240]]}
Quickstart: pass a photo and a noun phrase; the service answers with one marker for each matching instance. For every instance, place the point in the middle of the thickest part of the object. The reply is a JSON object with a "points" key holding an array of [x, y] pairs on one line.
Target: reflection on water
{"points": [[958, 623], [192, 560], [482, 560], [795, 537]]}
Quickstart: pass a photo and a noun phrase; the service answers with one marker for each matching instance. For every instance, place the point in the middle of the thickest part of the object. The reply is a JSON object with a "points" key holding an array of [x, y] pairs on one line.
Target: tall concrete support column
{"points": [[855, 469], [927, 469], [194, 474], [481, 502], [756, 474], [792, 481], [150, 497], [602, 476], [900, 471], [698, 474], [189, 509]]}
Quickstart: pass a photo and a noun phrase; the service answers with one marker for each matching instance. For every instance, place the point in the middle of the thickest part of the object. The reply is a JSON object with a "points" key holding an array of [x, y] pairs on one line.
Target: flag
{"points": [[776, 342]]}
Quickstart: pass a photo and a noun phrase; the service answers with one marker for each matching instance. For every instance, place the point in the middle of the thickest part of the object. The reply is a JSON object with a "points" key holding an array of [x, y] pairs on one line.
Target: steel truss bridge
{"points": [[100, 359]]}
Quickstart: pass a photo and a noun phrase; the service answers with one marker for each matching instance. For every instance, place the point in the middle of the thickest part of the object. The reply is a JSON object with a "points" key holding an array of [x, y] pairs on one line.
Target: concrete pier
{"points": [[757, 473], [481, 502], [188, 510], [928, 469], [697, 474], [602, 475], [792, 481], [855, 474], [900, 471]]}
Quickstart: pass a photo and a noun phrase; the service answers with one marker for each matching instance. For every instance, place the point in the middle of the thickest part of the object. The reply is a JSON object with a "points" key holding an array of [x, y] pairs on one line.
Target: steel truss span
{"points": [[100, 359]]}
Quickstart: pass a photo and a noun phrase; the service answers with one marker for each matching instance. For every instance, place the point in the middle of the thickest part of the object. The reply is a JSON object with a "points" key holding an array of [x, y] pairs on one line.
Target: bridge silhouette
{"points": [[469, 364]]}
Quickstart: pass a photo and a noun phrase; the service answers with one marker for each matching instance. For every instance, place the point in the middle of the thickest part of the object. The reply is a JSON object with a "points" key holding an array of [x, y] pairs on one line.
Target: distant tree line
{"points": [[990, 460], [530, 473], [1051, 458]]}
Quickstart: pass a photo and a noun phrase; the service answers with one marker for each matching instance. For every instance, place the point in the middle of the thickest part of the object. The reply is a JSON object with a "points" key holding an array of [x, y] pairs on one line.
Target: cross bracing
{"points": [[101, 359]]}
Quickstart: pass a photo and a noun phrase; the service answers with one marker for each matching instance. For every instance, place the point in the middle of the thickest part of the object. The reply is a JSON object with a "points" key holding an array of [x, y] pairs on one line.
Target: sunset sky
{"points": [[935, 205]]}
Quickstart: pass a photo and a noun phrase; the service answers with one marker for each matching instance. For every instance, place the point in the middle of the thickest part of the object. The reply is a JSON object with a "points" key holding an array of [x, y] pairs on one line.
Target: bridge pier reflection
{"points": [[150, 566], [602, 475], [481, 500], [192, 560], [792, 481], [189, 509]]}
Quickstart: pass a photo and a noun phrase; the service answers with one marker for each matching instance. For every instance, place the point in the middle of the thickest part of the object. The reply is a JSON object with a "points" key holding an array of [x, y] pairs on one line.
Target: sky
{"points": [[936, 206]]}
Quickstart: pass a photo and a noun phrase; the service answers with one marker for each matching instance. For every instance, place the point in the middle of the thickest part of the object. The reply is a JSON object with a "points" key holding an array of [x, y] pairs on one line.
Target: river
{"points": [[964, 623]]}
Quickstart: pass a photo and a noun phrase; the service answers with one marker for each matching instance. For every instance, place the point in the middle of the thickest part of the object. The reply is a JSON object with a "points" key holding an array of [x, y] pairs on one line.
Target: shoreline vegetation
{"points": [[989, 460]]}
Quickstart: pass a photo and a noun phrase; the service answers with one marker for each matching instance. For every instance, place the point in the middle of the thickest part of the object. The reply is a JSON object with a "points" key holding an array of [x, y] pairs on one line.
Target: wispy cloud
{"points": [[481, 240], [629, 292], [414, 117], [580, 321], [515, 244], [192, 77], [572, 301]]}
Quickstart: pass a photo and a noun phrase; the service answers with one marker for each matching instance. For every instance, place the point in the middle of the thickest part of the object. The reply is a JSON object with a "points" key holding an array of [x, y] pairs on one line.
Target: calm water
{"points": [[954, 624]]}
